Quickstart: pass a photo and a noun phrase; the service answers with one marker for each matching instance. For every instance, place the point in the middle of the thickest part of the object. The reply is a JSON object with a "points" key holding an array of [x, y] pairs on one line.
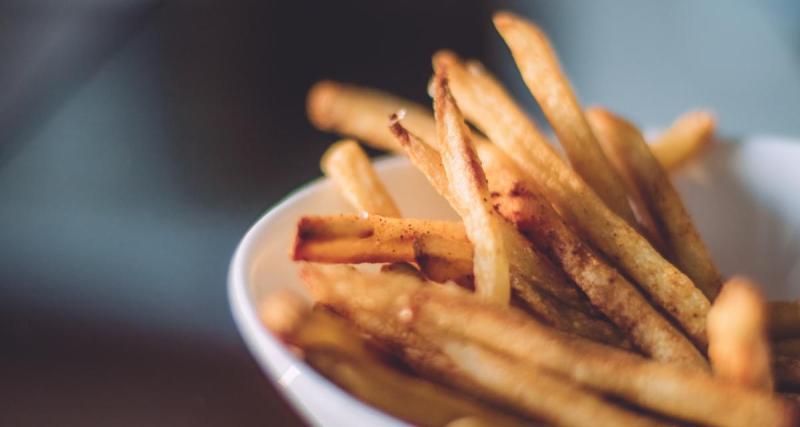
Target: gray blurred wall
{"points": [[654, 59]]}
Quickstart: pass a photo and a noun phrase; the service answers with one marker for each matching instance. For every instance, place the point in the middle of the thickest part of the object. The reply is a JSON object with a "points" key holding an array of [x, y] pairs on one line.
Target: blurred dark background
{"points": [[139, 139]]}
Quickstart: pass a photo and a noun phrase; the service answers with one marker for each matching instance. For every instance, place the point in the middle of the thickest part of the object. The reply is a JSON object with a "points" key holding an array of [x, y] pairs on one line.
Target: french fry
{"points": [[783, 319], [615, 152], [368, 300], [349, 167], [339, 107], [737, 341], [376, 239], [487, 105], [430, 255], [607, 289], [413, 316], [529, 271], [682, 238], [442, 251], [361, 113], [531, 266], [569, 319], [469, 187], [540, 69], [587, 251], [537, 392], [334, 349], [686, 138]]}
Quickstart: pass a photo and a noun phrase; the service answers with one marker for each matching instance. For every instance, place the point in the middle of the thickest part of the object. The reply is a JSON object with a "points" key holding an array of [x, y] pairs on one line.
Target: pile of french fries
{"points": [[572, 292]]}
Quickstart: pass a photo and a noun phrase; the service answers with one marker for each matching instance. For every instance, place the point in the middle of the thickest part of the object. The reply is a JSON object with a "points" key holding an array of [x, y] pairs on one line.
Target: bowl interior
{"points": [[742, 196]]}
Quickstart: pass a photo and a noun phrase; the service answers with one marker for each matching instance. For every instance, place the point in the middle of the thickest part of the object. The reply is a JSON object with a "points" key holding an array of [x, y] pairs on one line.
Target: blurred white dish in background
{"points": [[744, 197]]}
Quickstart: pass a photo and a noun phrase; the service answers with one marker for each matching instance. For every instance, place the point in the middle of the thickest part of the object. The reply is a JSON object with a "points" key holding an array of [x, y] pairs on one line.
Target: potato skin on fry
{"points": [[358, 239]]}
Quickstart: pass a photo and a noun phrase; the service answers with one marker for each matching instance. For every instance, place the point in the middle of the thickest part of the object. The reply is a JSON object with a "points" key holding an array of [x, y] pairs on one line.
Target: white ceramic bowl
{"points": [[744, 197]]}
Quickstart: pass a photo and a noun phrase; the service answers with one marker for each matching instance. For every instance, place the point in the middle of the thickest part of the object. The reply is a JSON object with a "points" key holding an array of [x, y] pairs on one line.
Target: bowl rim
{"points": [[272, 355]]}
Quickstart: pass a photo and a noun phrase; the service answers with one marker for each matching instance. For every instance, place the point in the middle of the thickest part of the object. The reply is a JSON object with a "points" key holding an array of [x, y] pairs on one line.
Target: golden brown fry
{"points": [[783, 319], [442, 251], [355, 101], [349, 167], [334, 349], [529, 270], [607, 289], [415, 317], [361, 113], [540, 69], [468, 186], [737, 341], [535, 391], [662, 199], [530, 391], [686, 138], [489, 106], [376, 239], [531, 266], [660, 387], [415, 400], [615, 152]]}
